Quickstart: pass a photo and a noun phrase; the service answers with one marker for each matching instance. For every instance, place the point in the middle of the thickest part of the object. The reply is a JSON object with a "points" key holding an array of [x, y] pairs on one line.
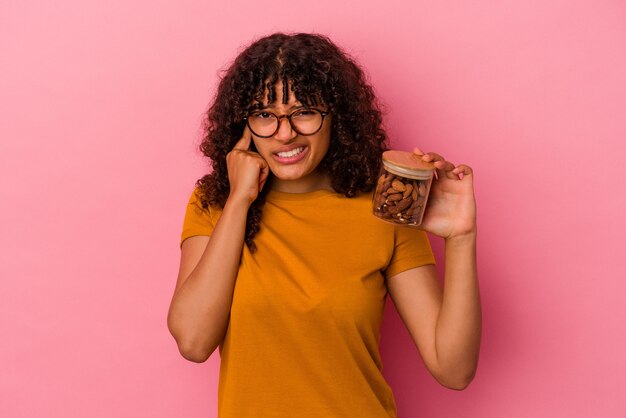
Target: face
{"points": [[293, 158]]}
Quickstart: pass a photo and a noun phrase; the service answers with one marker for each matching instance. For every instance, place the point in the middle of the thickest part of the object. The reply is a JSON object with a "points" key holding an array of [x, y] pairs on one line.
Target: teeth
{"points": [[291, 153]]}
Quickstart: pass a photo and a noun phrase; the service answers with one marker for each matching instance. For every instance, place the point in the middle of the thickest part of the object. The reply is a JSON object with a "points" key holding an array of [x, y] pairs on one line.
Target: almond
{"points": [[414, 212], [407, 192], [398, 185], [403, 204]]}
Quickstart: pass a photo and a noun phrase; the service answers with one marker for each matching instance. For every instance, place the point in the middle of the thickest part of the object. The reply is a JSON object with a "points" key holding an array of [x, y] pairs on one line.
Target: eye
{"points": [[262, 115], [303, 113]]}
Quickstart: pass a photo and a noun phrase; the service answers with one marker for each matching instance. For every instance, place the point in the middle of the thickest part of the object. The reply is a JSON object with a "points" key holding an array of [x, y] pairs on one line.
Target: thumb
{"points": [[244, 141]]}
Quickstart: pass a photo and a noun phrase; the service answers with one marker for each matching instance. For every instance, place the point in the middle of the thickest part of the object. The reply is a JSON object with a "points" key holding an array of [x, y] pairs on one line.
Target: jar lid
{"points": [[407, 164]]}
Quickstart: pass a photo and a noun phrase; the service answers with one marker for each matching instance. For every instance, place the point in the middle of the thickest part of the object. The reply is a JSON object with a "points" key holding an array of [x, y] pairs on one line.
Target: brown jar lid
{"points": [[407, 164]]}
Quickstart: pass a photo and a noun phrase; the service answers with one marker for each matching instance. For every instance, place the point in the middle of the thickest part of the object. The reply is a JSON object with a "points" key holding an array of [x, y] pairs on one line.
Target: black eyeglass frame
{"points": [[323, 113]]}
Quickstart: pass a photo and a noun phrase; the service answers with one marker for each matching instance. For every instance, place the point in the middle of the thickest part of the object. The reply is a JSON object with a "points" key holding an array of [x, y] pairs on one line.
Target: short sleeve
{"points": [[412, 249], [198, 221]]}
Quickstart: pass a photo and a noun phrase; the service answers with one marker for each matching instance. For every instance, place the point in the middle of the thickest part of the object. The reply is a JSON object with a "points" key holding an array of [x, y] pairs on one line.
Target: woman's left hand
{"points": [[451, 206]]}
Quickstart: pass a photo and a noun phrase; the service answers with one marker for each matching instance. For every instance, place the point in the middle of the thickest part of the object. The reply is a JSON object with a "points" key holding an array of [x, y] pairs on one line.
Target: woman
{"points": [[295, 139]]}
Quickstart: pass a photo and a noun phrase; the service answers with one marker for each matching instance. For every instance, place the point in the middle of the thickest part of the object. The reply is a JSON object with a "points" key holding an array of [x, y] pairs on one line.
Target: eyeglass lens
{"points": [[303, 121]]}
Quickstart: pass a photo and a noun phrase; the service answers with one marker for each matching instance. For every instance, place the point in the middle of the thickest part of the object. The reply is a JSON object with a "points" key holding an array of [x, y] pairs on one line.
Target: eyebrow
{"points": [[271, 105]]}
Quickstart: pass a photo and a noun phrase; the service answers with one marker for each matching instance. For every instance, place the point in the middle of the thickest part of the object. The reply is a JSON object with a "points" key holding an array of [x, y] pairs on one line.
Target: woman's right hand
{"points": [[247, 170]]}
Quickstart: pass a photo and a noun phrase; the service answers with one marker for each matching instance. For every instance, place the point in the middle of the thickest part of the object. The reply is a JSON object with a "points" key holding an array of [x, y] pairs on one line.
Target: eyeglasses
{"points": [[304, 121]]}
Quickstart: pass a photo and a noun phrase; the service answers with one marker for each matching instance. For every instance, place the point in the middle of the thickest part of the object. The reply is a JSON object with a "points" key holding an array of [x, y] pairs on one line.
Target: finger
{"points": [[244, 141], [442, 166], [263, 176], [262, 184], [462, 170], [447, 168], [418, 151], [432, 157]]}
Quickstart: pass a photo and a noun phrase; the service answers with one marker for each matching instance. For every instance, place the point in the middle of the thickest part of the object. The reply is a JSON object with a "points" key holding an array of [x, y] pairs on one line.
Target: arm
{"points": [[200, 308], [445, 328]]}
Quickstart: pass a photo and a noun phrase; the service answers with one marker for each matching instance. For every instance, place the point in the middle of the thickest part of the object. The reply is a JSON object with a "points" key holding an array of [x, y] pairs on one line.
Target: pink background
{"points": [[101, 109]]}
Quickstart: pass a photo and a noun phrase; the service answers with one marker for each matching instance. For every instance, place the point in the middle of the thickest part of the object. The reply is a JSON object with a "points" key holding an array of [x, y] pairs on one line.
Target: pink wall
{"points": [[101, 108]]}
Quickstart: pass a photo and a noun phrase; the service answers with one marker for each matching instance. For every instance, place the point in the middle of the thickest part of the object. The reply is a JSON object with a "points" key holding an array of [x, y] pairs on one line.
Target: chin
{"points": [[288, 175]]}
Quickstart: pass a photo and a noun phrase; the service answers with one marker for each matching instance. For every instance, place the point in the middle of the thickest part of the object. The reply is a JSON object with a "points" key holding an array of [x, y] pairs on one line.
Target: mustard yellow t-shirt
{"points": [[305, 320]]}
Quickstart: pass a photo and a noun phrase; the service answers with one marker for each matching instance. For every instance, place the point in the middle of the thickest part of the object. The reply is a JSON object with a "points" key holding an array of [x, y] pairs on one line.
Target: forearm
{"points": [[459, 325], [200, 309]]}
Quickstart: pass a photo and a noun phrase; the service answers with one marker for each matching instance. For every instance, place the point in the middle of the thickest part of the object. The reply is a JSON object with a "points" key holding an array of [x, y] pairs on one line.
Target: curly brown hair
{"points": [[317, 70]]}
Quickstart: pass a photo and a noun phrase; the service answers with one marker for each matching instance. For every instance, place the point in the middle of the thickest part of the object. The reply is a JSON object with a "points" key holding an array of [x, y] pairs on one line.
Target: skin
{"points": [[302, 176], [445, 324]]}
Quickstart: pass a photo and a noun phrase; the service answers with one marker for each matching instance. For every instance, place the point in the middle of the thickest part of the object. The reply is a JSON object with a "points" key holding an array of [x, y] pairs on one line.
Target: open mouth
{"points": [[292, 156], [291, 153]]}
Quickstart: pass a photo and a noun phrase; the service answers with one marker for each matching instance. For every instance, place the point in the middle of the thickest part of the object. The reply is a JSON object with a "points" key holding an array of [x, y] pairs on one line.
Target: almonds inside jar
{"points": [[402, 188]]}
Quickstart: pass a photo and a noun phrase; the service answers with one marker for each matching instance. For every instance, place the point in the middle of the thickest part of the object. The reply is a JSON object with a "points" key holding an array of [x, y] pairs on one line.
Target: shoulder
{"points": [[359, 199], [361, 202], [196, 204]]}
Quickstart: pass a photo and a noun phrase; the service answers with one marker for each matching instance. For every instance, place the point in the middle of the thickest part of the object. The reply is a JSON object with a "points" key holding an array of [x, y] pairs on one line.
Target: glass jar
{"points": [[403, 187]]}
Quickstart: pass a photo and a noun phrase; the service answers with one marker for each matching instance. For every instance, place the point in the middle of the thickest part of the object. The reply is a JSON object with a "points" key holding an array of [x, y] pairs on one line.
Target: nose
{"points": [[285, 131]]}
